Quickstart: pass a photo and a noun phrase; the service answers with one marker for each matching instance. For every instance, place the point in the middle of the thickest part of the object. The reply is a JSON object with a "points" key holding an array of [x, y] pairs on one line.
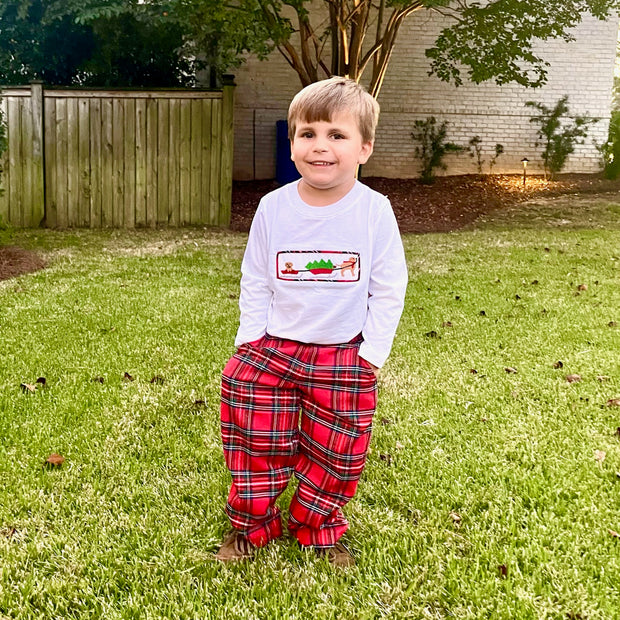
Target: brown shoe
{"points": [[235, 547], [338, 555]]}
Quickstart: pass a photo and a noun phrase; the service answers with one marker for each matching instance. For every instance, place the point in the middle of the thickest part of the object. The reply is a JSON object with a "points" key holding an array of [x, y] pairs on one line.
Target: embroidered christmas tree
{"points": [[320, 266]]}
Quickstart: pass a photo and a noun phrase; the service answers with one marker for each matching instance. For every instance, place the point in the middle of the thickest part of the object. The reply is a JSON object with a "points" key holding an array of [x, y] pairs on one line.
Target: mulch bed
{"points": [[15, 261], [448, 204]]}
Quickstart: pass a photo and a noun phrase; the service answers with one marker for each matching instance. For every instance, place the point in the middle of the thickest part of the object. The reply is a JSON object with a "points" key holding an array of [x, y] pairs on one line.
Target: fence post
{"points": [[227, 136], [38, 170]]}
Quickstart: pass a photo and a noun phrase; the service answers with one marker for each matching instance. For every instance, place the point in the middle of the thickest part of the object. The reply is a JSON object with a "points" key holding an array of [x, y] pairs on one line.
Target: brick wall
{"points": [[582, 69]]}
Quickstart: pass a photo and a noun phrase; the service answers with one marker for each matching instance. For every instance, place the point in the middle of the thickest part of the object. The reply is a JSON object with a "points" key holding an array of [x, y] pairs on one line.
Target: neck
{"points": [[316, 197]]}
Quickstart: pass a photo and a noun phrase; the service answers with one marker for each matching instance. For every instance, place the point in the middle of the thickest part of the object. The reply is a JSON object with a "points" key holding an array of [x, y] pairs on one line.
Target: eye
{"points": [[306, 134], [338, 136]]}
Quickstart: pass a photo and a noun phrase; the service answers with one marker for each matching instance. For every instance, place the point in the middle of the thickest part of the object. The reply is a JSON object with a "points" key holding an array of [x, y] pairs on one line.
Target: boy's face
{"points": [[327, 154]]}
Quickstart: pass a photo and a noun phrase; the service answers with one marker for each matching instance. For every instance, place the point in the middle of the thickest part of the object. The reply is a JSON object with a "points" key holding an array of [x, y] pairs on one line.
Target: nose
{"points": [[320, 145]]}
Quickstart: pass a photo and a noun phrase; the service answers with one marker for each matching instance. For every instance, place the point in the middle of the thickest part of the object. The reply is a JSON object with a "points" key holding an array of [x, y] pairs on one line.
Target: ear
{"points": [[365, 152], [292, 154]]}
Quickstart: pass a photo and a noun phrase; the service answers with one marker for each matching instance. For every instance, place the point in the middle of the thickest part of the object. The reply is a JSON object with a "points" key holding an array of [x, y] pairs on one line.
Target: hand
{"points": [[374, 369]]}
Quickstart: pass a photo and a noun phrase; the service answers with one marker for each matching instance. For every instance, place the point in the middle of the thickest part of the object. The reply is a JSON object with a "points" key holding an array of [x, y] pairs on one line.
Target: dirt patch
{"points": [[16, 261], [448, 204]]}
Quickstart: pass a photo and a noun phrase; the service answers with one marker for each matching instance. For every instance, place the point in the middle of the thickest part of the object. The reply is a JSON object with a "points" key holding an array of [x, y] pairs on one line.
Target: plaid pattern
{"points": [[266, 385]]}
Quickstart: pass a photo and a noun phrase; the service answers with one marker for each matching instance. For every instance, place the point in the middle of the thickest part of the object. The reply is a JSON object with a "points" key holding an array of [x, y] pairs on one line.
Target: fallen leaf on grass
{"points": [[97, 379], [8, 532], [600, 455], [200, 403], [573, 378], [456, 518], [386, 421], [511, 370], [28, 387], [127, 377], [614, 533], [473, 371], [503, 571], [483, 313], [582, 287], [386, 458], [431, 334], [602, 378], [42, 381], [558, 364], [612, 324], [54, 460], [446, 324], [158, 380], [613, 402]]}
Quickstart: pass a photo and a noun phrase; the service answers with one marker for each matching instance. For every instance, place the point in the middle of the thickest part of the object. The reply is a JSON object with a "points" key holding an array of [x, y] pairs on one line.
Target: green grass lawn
{"points": [[488, 493]]}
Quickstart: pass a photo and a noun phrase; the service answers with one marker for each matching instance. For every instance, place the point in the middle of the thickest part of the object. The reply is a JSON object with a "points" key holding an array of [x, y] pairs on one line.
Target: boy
{"points": [[322, 290]]}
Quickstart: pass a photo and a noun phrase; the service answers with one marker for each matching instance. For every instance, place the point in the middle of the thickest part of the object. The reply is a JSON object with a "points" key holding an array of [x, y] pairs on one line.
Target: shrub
{"points": [[475, 151], [433, 146], [499, 149], [611, 149], [557, 135]]}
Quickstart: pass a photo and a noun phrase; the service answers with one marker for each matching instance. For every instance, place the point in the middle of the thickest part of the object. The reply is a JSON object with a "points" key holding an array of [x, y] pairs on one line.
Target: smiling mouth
{"points": [[321, 163]]}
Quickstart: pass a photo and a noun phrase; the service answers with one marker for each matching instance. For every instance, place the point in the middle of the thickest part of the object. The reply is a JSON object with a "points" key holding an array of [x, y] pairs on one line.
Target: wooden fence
{"points": [[87, 158]]}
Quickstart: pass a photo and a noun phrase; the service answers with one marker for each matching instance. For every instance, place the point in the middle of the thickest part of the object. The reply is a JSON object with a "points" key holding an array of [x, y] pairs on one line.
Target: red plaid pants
{"points": [[266, 385]]}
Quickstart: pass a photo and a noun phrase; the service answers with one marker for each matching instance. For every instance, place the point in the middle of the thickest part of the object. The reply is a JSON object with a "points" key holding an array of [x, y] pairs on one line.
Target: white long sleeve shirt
{"points": [[322, 275]]}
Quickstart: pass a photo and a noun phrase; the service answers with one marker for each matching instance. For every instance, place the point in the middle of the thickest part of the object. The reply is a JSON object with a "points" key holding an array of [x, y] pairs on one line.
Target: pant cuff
{"points": [[261, 535]]}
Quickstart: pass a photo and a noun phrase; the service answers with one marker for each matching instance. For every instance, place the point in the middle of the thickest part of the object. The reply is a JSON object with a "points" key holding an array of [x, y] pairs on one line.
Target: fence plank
{"points": [[174, 168], [196, 164], [129, 148], [73, 163], [214, 168], [185, 162], [51, 167], [118, 171], [96, 163], [108, 187], [25, 138], [163, 128], [206, 161], [140, 217], [84, 179], [15, 158], [62, 218], [151, 158], [38, 173], [226, 155]]}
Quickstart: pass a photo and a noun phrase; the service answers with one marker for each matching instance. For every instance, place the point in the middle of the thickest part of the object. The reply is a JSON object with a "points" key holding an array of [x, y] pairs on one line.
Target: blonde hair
{"points": [[318, 101]]}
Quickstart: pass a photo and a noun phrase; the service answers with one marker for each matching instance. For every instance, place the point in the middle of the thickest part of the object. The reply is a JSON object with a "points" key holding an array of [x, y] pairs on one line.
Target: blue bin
{"points": [[285, 168]]}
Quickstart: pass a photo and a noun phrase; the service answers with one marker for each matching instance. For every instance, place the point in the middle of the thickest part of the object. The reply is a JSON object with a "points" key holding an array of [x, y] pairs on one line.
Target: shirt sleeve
{"points": [[386, 289], [256, 294]]}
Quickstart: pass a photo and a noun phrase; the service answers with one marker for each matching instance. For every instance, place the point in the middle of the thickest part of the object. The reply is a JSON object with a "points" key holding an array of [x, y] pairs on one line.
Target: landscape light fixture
{"points": [[524, 161]]}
